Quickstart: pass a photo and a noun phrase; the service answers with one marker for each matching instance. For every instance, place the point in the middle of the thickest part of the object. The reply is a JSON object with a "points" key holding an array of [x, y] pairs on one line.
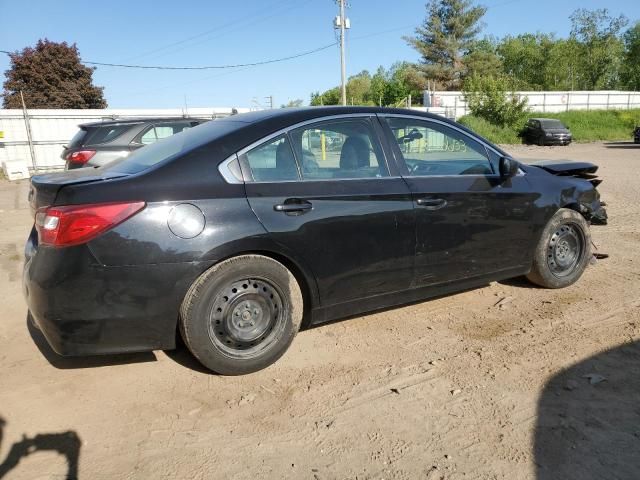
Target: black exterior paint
{"points": [[365, 244]]}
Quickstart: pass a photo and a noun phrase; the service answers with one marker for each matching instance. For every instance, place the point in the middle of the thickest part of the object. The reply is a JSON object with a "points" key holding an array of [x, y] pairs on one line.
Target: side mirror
{"points": [[508, 167]]}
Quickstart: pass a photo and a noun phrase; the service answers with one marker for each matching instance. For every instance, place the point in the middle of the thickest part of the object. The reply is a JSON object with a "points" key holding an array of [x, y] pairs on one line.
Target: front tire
{"points": [[563, 252], [241, 315]]}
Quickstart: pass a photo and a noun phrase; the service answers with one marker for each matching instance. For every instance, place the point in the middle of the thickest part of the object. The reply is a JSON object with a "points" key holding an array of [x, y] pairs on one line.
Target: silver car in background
{"points": [[99, 143]]}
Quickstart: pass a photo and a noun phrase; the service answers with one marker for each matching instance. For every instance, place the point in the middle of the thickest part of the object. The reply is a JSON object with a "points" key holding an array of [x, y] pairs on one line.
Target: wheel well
{"points": [[576, 208]]}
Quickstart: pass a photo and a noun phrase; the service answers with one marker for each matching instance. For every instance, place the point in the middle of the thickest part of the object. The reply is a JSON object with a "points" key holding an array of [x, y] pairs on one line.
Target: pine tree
{"points": [[448, 34]]}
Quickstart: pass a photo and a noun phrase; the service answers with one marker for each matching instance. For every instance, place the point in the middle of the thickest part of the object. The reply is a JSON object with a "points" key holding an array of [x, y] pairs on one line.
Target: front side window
{"points": [[272, 161], [429, 148], [342, 148]]}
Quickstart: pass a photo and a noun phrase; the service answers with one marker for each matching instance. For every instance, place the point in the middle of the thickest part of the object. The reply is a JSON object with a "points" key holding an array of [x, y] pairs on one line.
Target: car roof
{"points": [[138, 120], [314, 112]]}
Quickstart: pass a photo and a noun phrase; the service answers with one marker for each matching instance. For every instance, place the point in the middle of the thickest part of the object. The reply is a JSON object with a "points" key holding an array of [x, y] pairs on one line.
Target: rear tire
{"points": [[563, 252], [241, 315]]}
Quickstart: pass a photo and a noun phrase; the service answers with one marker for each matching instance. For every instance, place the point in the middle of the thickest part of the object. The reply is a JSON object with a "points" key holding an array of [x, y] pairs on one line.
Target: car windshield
{"points": [[171, 147], [552, 124]]}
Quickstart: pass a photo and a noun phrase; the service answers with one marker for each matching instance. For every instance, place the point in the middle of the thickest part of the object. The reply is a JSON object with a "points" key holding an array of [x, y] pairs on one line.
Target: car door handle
{"points": [[290, 206], [432, 203]]}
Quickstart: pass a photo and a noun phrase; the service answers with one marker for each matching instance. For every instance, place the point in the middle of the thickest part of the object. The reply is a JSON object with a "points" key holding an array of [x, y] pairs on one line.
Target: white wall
{"points": [[51, 129], [542, 102]]}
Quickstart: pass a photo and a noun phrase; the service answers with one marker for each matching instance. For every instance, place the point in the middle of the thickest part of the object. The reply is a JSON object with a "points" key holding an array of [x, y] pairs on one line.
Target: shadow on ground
{"points": [[622, 145], [66, 444], [83, 362], [588, 424], [182, 356]]}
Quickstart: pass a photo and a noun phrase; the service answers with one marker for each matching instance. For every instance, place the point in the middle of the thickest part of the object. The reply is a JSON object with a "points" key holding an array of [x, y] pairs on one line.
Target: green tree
{"points": [[492, 98], [330, 97], [358, 87], [50, 75], [378, 86], [293, 103], [525, 57], [601, 50], [631, 68], [447, 35], [482, 58]]}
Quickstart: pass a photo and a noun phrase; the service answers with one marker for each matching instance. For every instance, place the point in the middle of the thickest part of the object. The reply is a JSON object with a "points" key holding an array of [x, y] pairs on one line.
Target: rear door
{"points": [[326, 194], [470, 222]]}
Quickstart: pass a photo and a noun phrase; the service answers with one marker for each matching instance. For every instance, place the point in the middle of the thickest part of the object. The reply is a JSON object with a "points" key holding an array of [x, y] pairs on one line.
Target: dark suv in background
{"points": [[99, 143], [546, 131]]}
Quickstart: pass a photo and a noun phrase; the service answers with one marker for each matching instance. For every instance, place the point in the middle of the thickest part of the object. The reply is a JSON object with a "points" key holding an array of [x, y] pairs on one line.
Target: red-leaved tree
{"points": [[51, 75]]}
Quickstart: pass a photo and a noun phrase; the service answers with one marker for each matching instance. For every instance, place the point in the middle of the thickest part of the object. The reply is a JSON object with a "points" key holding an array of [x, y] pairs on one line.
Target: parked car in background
{"points": [[99, 143], [234, 232], [636, 135], [546, 131]]}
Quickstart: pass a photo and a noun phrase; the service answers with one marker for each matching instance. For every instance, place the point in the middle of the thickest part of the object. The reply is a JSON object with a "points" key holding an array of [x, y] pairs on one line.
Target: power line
{"points": [[208, 67], [207, 32]]}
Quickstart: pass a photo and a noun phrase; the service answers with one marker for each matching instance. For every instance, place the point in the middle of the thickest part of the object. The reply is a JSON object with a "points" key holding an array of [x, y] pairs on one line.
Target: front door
{"points": [[324, 191], [470, 222]]}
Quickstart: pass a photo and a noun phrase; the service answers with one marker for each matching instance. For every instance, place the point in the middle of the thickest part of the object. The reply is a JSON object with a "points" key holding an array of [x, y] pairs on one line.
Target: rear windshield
{"points": [[76, 141], [552, 124], [99, 135], [172, 147]]}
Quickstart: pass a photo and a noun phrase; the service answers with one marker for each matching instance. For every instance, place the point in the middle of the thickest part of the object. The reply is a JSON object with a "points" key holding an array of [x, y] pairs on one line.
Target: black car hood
{"points": [[557, 130]]}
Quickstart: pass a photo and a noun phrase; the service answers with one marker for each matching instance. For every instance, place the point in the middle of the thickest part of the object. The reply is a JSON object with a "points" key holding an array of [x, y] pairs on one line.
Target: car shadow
{"points": [[588, 419], [622, 145], [520, 282], [183, 356], [66, 444], [94, 361]]}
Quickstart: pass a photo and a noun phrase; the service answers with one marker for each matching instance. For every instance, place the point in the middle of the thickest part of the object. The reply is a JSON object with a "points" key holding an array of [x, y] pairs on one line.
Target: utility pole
{"points": [[270, 98], [342, 23]]}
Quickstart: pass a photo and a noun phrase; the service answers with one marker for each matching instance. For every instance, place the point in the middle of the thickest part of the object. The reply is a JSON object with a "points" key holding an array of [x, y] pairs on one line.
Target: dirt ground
{"points": [[545, 386]]}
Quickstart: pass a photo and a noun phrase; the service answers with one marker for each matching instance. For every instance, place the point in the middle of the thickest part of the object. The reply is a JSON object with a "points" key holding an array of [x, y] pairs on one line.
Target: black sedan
{"points": [[237, 233], [547, 131]]}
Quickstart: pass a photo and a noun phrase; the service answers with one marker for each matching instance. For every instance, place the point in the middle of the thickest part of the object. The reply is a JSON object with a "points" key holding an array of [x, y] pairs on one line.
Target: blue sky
{"points": [[214, 32]]}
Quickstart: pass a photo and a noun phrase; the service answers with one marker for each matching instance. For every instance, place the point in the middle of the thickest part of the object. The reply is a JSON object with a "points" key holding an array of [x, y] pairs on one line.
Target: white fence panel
{"points": [[540, 102], [52, 129]]}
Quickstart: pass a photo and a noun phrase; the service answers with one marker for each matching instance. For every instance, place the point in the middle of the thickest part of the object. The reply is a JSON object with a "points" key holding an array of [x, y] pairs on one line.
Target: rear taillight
{"points": [[75, 224], [81, 156]]}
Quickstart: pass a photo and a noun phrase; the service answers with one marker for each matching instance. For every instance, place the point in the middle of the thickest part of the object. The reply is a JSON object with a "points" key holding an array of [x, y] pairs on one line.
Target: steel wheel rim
{"points": [[565, 250], [246, 317]]}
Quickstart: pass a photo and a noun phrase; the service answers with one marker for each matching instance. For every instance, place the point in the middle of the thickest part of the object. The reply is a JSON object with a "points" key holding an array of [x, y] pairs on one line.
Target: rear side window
{"points": [[345, 148], [107, 133], [163, 130], [272, 161], [432, 149]]}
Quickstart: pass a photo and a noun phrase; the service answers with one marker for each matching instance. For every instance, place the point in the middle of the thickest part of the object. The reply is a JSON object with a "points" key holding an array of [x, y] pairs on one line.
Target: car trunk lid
{"points": [[44, 188]]}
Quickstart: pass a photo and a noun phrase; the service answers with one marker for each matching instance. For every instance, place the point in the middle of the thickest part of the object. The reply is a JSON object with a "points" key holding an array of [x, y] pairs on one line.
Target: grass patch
{"points": [[586, 126]]}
